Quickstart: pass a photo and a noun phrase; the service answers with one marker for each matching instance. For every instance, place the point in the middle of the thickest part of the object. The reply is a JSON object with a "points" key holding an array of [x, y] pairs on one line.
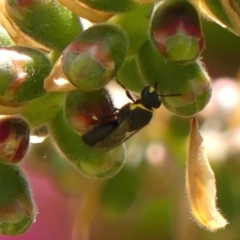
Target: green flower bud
{"points": [[191, 81], [17, 208], [22, 72], [14, 139], [89, 161], [176, 31], [45, 21], [94, 58]]}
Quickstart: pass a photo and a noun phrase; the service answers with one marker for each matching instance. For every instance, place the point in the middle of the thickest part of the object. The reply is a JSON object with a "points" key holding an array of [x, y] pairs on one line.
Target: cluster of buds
{"points": [[17, 208], [55, 72]]}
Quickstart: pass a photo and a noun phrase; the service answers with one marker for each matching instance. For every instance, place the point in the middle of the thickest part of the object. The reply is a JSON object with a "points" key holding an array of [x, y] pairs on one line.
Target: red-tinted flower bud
{"points": [[22, 72], [176, 30], [14, 139], [92, 60], [84, 110], [191, 81]]}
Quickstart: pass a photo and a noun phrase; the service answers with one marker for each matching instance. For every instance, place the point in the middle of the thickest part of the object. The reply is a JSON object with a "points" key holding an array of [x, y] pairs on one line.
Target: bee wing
{"points": [[99, 133], [116, 137], [129, 134], [107, 137]]}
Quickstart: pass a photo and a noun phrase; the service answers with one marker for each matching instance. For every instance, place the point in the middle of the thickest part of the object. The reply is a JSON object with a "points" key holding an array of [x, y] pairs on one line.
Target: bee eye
{"points": [[146, 92]]}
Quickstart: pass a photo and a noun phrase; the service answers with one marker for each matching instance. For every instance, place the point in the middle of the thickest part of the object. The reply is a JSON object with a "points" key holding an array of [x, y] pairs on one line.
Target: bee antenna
{"points": [[127, 92]]}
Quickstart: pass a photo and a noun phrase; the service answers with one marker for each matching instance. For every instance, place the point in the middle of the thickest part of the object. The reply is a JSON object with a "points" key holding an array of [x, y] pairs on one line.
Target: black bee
{"points": [[128, 120]]}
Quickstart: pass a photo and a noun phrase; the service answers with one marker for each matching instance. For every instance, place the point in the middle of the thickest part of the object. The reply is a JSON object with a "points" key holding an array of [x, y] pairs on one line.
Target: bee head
{"points": [[150, 97]]}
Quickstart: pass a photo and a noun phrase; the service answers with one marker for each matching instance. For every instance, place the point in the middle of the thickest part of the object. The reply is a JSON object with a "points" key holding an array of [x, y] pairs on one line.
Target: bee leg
{"points": [[116, 110], [103, 118]]}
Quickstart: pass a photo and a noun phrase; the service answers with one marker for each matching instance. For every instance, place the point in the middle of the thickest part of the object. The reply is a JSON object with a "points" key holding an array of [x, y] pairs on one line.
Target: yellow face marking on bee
{"points": [[138, 105], [151, 89]]}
